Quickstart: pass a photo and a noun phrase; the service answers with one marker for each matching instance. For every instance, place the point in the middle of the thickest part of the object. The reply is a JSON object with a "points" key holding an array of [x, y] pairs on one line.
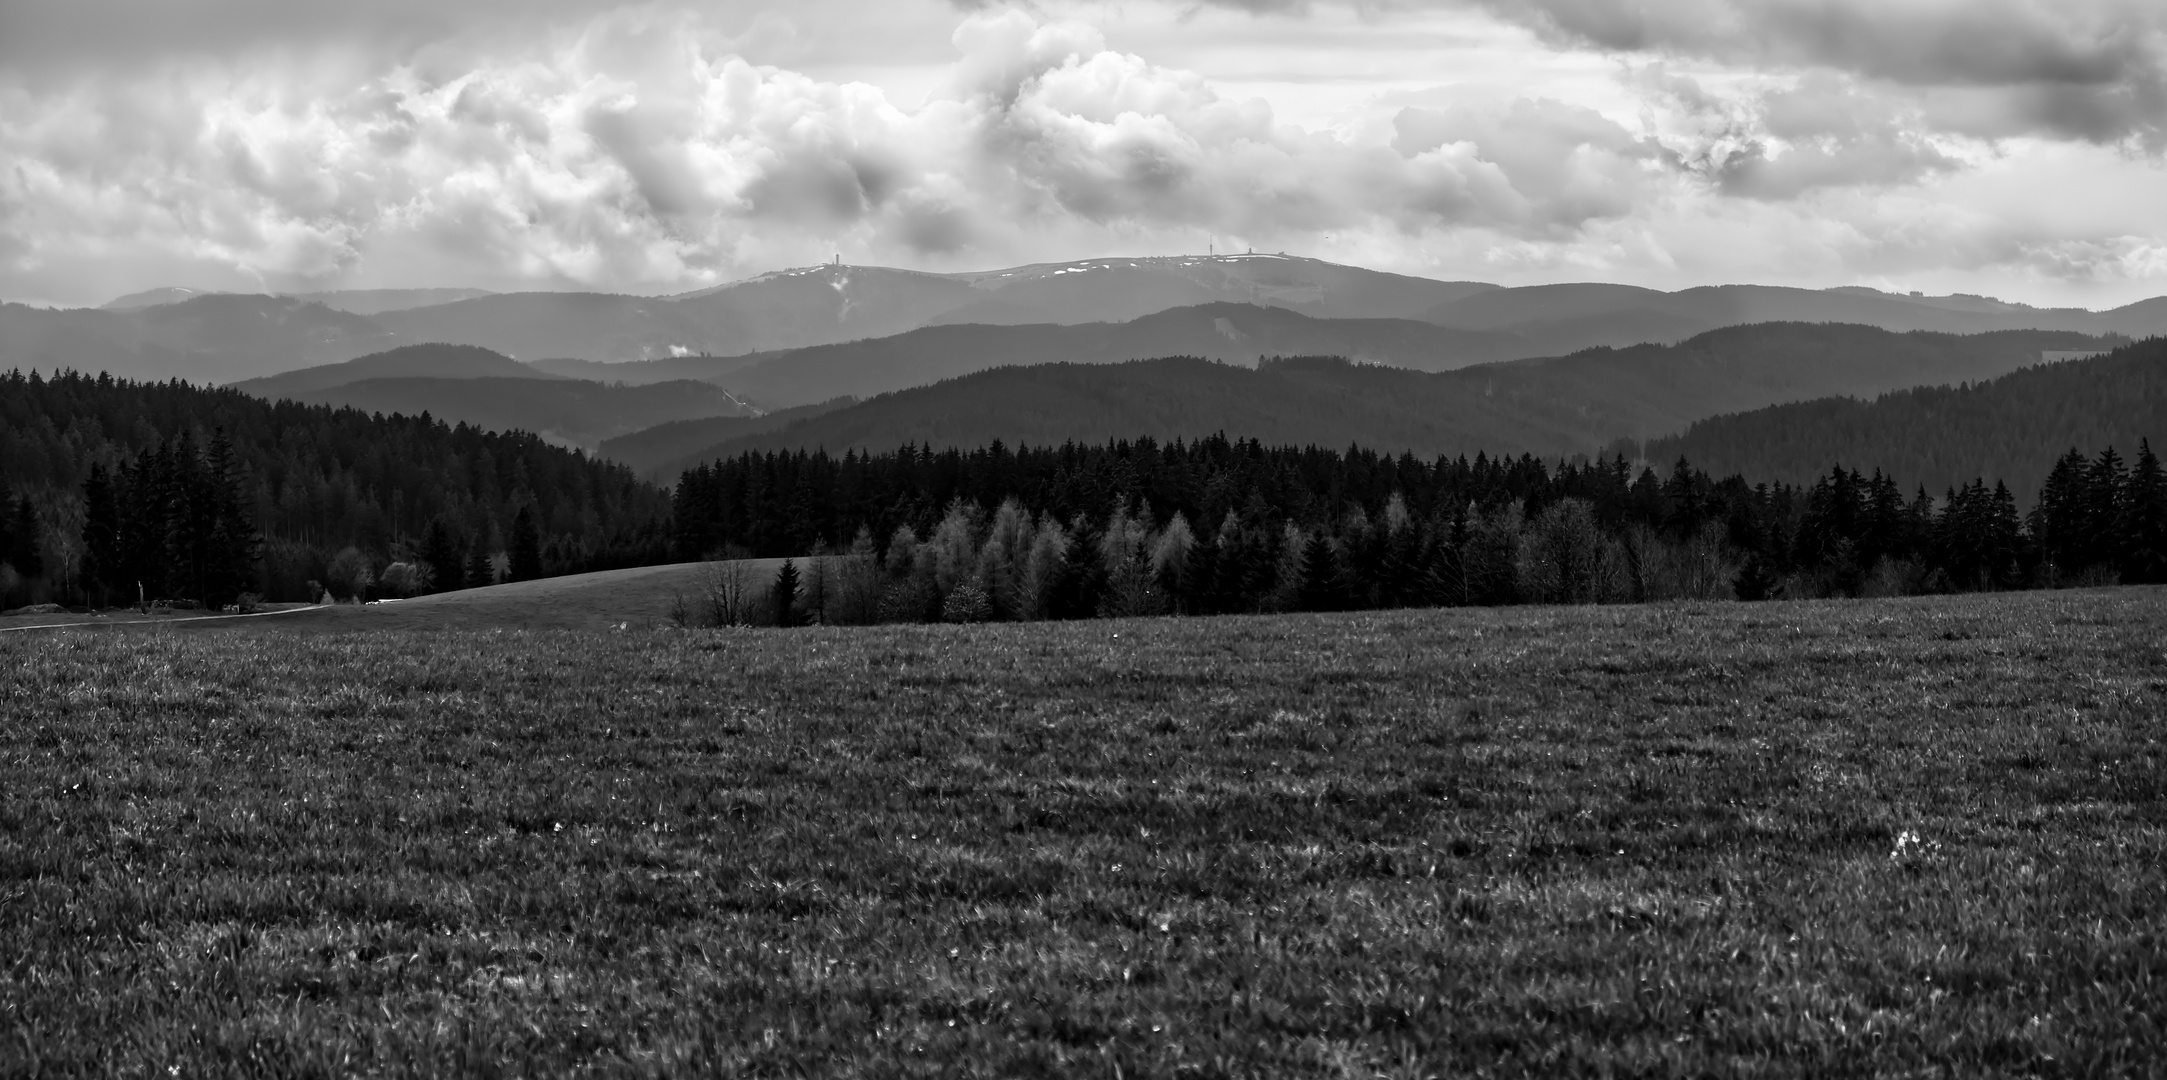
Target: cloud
{"points": [[640, 148], [1564, 164], [2091, 70], [1789, 139], [634, 155]]}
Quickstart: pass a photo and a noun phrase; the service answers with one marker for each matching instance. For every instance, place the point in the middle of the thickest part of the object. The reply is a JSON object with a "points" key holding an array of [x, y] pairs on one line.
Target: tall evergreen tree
{"points": [[784, 597], [1322, 586], [478, 571], [2057, 522], [442, 554], [2103, 483], [2144, 528], [526, 547], [233, 546], [104, 574], [24, 540]]}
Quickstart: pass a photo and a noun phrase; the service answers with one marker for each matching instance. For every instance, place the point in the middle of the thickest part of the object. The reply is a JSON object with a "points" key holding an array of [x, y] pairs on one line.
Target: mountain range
{"points": [[473, 385], [175, 333], [1581, 403]]}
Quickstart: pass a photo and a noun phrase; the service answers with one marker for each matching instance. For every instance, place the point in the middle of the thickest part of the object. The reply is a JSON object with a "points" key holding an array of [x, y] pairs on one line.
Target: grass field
{"points": [[639, 597], [604, 600], [1918, 837]]}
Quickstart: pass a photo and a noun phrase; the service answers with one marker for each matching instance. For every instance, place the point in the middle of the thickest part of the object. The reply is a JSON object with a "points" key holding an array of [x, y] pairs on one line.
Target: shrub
{"points": [[966, 603]]}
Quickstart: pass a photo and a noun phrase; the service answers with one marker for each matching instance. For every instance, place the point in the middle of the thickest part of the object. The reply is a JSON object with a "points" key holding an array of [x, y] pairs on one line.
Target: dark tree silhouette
{"points": [[785, 595], [526, 549], [442, 554]]}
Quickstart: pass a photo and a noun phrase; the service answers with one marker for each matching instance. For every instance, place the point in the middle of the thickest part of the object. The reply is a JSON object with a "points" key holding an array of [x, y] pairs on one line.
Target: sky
{"points": [[2011, 148]]}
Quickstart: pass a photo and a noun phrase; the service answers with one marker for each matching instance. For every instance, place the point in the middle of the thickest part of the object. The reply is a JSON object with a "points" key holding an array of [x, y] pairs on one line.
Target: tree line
{"points": [[1225, 526], [121, 490]]}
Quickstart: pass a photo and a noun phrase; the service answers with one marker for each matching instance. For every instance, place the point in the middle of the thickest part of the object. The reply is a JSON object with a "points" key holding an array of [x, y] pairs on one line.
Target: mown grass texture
{"points": [[1920, 836]]}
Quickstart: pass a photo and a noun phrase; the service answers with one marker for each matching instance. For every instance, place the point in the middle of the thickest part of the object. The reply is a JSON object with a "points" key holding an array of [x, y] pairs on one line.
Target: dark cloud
{"points": [[2091, 70], [1919, 42]]}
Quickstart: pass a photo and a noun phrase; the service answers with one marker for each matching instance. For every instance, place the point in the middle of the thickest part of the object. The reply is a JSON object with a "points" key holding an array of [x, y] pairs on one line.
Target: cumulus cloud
{"points": [[1789, 139], [637, 156], [643, 148]]}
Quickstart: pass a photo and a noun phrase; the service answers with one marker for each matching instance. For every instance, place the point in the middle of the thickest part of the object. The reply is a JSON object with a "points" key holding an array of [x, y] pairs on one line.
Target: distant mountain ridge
{"points": [[432, 361], [1557, 406], [472, 385], [1227, 332], [161, 334]]}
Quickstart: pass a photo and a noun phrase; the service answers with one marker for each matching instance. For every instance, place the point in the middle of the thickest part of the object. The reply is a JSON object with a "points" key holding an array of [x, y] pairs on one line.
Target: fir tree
{"points": [[1322, 588], [526, 547], [478, 571], [2057, 522], [785, 594], [2103, 483], [23, 535], [2144, 520], [442, 555], [103, 571]]}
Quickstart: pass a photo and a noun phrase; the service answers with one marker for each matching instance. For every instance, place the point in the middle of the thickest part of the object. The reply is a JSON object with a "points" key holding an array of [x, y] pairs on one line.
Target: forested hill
{"points": [[1566, 405], [2015, 426], [308, 481]]}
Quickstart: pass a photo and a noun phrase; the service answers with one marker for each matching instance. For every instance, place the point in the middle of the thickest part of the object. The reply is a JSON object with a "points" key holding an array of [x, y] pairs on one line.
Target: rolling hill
{"points": [[212, 337], [1559, 319], [352, 301], [1232, 333], [566, 412], [434, 361], [661, 452], [701, 366], [2012, 427], [1562, 405]]}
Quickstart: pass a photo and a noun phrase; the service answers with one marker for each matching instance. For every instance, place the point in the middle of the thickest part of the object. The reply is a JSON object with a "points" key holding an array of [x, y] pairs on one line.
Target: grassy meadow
{"points": [[1920, 837]]}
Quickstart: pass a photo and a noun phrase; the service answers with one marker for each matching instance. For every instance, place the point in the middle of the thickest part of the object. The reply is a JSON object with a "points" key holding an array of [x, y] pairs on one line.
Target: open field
{"points": [[1920, 836], [638, 597]]}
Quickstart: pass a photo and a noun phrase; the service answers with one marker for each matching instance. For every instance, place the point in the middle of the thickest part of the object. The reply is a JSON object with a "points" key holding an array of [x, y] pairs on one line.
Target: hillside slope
{"points": [[660, 452], [1564, 405], [564, 411], [1230, 333], [214, 337], [2013, 427], [435, 361]]}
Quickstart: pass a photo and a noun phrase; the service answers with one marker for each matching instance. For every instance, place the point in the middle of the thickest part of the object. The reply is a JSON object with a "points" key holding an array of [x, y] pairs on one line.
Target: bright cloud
{"points": [[650, 148]]}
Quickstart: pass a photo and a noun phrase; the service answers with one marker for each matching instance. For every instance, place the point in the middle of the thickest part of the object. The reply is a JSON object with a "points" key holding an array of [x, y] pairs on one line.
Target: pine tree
{"points": [[231, 546], [1684, 505], [442, 555], [103, 572], [1322, 589], [2144, 528], [2057, 522], [23, 534], [478, 571], [7, 526], [2003, 541], [526, 547], [785, 595], [2103, 483]]}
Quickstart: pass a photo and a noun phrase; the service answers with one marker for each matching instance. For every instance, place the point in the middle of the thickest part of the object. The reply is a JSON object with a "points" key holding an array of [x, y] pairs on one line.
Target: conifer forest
{"points": [[1227, 526]]}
